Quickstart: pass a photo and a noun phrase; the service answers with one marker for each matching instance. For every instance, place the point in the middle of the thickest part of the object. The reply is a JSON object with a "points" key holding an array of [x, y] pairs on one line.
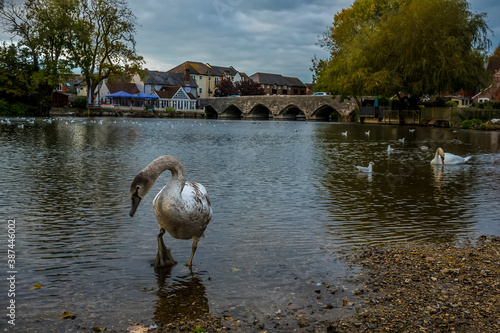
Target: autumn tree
{"points": [[225, 87], [249, 87], [407, 48]]}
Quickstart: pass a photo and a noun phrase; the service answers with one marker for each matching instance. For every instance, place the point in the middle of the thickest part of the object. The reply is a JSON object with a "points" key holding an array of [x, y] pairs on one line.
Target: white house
{"points": [[174, 97]]}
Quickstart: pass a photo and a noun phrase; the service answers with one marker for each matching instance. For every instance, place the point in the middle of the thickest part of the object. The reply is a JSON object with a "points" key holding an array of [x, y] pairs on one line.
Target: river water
{"points": [[286, 196]]}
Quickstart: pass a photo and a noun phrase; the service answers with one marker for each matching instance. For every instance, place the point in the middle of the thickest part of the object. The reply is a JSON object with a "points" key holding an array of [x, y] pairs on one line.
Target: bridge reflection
{"points": [[324, 108]]}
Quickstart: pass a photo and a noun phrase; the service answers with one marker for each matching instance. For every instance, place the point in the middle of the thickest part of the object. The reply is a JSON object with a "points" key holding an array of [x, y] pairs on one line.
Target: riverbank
{"points": [[133, 112], [412, 288]]}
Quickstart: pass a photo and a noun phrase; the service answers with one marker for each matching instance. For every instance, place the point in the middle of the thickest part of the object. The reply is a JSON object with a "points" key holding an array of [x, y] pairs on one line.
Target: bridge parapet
{"points": [[278, 107]]}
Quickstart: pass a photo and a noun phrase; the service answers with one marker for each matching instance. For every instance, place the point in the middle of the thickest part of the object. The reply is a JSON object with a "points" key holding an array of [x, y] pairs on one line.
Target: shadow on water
{"points": [[180, 298]]}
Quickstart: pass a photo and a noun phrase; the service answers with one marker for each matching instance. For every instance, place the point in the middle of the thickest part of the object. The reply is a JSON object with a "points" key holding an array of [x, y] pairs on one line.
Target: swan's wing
{"points": [[467, 158], [196, 201]]}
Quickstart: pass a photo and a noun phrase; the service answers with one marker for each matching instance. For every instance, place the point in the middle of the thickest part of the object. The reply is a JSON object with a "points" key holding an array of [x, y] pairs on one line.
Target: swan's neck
{"points": [[164, 163]]}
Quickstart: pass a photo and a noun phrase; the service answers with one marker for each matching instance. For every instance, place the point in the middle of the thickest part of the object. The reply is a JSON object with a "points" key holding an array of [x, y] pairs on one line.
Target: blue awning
{"points": [[120, 94]]}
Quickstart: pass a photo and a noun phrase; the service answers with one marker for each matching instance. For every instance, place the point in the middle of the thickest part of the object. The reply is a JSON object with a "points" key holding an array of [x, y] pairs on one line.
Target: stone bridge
{"points": [[323, 108]]}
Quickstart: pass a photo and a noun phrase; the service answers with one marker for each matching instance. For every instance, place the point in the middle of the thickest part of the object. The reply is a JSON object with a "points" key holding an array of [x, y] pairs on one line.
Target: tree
{"points": [[225, 87], [249, 87], [406, 48], [95, 36], [42, 28], [103, 43]]}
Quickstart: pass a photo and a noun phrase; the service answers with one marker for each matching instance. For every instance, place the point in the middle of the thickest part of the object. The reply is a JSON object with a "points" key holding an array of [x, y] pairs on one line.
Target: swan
{"points": [[389, 149], [181, 207], [446, 158], [366, 169]]}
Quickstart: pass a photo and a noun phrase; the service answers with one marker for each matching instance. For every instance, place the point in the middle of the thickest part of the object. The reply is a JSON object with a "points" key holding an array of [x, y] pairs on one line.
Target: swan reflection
{"points": [[180, 297]]}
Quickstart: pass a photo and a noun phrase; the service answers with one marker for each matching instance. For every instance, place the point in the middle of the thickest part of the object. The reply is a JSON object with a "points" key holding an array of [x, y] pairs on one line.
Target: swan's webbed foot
{"points": [[164, 257]]}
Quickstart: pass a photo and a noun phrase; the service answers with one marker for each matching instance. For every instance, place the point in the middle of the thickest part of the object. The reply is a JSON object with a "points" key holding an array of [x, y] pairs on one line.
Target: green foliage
{"points": [[471, 123], [451, 104], [56, 36], [80, 103], [418, 47], [198, 329]]}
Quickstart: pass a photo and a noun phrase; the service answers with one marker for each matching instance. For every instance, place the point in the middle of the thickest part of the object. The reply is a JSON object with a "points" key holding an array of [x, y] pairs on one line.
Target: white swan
{"points": [[181, 207], [366, 169], [446, 158], [389, 149]]}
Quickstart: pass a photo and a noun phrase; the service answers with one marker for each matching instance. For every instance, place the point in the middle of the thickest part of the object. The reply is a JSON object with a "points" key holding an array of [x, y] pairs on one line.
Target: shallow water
{"points": [[286, 198]]}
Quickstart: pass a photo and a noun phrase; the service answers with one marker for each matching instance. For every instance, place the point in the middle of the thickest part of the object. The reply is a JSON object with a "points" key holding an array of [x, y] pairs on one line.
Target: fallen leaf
{"points": [[36, 286], [65, 315], [236, 269]]}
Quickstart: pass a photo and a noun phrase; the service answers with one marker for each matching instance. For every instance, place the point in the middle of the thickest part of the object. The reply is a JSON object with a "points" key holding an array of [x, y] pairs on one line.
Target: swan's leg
{"points": [[164, 257], [193, 250]]}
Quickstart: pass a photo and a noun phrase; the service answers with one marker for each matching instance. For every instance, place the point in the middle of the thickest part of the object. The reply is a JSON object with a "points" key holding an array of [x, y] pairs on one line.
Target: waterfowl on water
{"points": [[447, 158], [368, 169], [181, 207]]}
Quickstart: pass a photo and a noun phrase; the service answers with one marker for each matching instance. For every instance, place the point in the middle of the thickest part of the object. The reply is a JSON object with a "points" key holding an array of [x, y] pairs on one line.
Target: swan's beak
{"points": [[135, 203], [442, 159]]}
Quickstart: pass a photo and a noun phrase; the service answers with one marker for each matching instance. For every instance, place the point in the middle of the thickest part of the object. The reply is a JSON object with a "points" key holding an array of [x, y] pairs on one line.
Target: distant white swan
{"points": [[424, 148], [366, 169], [181, 207], [446, 158]]}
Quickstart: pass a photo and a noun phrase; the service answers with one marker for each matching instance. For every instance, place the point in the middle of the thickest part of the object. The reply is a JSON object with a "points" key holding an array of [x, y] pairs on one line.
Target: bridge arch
{"points": [[259, 111], [231, 112], [325, 113], [291, 112], [210, 112]]}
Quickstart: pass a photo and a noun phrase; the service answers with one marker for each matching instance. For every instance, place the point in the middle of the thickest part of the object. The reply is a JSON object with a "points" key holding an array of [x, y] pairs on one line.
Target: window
{"points": [[201, 77], [209, 78], [59, 87], [200, 91]]}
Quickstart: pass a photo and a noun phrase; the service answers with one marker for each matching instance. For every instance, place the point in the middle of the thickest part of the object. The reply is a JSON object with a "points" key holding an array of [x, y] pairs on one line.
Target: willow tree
{"points": [[406, 48], [103, 42]]}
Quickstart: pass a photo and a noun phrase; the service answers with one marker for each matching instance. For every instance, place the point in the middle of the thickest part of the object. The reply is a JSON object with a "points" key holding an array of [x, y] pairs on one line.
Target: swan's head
{"points": [[139, 188], [440, 152], [371, 164]]}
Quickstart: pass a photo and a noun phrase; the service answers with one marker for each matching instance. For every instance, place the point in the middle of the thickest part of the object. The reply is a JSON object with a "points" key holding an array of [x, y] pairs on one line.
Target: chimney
{"points": [[187, 75]]}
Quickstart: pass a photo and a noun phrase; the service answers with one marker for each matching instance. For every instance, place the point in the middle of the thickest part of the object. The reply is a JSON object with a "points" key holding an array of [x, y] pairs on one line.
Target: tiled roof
{"points": [[277, 79], [166, 78], [198, 68], [130, 88], [167, 92]]}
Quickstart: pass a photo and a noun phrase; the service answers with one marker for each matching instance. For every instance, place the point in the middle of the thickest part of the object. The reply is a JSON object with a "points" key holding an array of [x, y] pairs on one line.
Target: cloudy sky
{"points": [[273, 36]]}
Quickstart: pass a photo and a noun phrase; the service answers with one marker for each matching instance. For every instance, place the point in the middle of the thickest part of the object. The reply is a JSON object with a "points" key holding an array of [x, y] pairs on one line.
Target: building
{"points": [[174, 97], [106, 89], [150, 81], [276, 84], [206, 76]]}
